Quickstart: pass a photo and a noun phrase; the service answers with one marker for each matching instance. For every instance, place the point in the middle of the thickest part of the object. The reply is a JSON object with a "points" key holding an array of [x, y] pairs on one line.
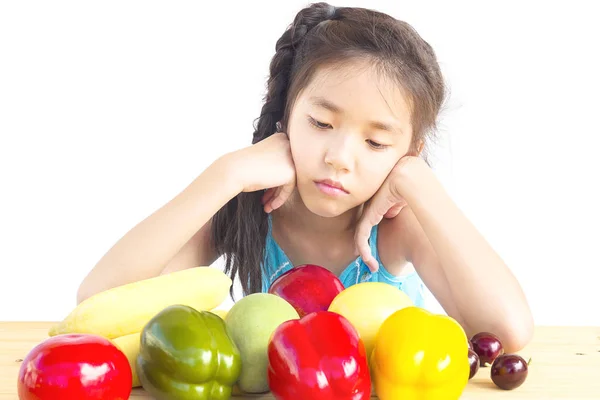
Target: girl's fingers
{"points": [[283, 194], [394, 211], [270, 204], [267, 195]]}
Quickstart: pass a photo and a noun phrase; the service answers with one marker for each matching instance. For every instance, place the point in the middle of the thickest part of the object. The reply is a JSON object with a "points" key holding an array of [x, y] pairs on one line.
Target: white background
{"points": [[108, 109]]}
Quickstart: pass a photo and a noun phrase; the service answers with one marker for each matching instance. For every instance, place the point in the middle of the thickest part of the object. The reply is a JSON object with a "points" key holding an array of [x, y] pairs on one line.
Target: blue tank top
{"points": [[276, 263]]}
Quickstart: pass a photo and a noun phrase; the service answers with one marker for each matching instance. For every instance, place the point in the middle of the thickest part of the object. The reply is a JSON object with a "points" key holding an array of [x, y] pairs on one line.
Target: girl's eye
{"points": [[317, 124], [322, 126], [376, 145]]}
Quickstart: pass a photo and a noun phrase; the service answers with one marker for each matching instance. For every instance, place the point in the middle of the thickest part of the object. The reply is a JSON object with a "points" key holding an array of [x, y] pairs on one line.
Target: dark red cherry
{"points": [[509, 371], [473, 363], [487, 346]]}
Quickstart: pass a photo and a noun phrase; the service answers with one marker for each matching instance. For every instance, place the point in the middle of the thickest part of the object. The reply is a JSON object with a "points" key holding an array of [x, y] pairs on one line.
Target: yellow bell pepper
{"points": [[420, 355]]}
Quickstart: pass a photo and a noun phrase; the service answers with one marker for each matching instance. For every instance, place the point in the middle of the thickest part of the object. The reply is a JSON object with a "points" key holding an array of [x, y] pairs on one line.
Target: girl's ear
{"points": [[420, 147], [416, 151]]}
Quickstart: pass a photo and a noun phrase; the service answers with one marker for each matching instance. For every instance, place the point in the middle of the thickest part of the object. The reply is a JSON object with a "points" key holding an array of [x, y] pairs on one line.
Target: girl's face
{"points": [[348, 128]]}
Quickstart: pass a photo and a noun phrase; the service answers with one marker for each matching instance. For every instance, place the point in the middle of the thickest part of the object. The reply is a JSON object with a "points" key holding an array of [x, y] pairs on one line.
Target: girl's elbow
{"points": [[86, 289], [518, 333], [82, 294]]}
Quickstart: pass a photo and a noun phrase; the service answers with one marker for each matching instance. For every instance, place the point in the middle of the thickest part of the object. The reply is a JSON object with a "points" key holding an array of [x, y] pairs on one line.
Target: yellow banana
{"points": [[130, 346], [125, 309], [220, 312]]}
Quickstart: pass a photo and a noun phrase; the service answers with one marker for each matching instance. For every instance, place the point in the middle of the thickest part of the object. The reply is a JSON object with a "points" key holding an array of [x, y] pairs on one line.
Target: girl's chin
{"points": [[326, 209], [322, 205]]}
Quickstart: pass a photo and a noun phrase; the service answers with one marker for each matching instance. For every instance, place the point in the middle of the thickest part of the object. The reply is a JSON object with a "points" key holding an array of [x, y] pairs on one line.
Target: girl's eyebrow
{"points": [[328, 105], [324, 103]]}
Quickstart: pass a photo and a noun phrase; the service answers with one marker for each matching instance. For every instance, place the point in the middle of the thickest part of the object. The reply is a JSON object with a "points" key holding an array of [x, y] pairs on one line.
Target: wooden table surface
{"points": [[565, 364]]}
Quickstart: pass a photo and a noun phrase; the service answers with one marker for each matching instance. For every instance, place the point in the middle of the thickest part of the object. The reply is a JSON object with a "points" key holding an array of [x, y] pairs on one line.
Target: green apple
{"points": [[251, 321]]}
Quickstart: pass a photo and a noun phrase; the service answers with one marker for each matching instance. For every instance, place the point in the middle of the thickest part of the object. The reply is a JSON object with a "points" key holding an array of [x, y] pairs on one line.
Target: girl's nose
{"points": [[339, 153]]}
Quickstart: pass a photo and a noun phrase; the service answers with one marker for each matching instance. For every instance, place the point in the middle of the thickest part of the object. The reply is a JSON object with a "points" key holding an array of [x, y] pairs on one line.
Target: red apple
{"points": [[308, 288]]}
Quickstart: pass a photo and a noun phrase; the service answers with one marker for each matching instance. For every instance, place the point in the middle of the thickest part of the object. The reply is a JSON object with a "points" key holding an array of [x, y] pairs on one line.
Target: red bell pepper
{"points": [[75, 366], [320, 357]]}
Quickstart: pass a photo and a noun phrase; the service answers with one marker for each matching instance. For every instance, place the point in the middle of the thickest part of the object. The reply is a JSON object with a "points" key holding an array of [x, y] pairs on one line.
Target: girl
{"points": [[336, 176]]}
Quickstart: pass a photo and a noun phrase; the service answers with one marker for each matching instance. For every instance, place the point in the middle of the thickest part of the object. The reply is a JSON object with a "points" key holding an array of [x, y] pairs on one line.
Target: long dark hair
{"points": [[321, 35]]}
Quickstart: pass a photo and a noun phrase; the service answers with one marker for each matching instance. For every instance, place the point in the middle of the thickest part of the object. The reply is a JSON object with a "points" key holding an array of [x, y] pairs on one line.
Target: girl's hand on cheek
{"points": [[268, 165], [387, 202]]}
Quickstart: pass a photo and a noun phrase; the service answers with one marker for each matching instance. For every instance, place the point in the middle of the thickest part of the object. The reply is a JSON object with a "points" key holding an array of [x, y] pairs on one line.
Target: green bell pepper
{"points": [[187, 354]]}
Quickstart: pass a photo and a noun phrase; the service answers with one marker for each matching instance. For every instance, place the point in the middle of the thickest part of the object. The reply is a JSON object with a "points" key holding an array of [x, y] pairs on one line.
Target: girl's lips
{"points": [[330, 190]]}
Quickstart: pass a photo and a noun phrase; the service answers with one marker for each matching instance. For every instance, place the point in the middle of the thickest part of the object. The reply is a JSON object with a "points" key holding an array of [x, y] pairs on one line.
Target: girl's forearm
{"points": [[145, 250], [484, 290]]}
